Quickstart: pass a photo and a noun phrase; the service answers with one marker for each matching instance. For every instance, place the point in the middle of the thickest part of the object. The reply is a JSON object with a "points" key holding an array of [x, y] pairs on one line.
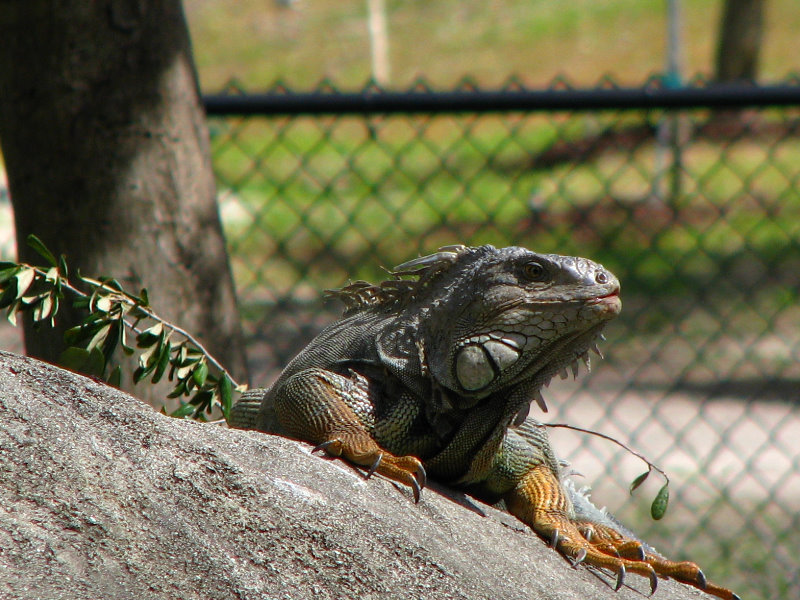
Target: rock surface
{"points": [[101, 497]]}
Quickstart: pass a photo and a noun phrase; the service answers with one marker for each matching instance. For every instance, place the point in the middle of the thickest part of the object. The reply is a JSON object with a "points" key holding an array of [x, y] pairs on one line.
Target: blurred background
{"points": [[696, 210]]}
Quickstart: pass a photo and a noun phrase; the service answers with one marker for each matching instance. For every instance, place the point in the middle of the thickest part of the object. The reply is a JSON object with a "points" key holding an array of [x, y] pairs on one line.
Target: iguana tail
{"points": [[245, 413]]}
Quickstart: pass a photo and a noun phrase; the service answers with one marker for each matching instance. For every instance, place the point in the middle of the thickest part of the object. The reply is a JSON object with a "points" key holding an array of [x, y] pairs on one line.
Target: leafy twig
{"points": [[111, 313], [659, 506]]}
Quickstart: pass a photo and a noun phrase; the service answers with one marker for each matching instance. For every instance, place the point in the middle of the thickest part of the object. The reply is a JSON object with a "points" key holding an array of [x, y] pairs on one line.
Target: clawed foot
{"points": [[540, 501], [610, 542], [569, 540], [407, 470], [315, 405]]}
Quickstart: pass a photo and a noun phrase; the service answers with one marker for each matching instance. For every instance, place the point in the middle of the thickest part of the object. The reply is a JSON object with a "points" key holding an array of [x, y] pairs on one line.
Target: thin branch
{"points": [[124, 298], [649, 464], [156, 317]]}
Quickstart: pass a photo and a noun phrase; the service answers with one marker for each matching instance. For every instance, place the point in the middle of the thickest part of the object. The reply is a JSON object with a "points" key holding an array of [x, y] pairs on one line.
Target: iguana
{"points": [[433, 372]]}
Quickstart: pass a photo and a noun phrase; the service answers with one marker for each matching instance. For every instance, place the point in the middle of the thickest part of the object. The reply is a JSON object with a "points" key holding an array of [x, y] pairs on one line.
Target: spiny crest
{"points": [[395, 292]]}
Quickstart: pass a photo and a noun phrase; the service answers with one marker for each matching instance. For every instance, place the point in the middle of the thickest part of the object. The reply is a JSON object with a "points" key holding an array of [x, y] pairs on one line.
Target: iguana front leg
{"points": [[334, 412], [540, 501], [539, 498]]}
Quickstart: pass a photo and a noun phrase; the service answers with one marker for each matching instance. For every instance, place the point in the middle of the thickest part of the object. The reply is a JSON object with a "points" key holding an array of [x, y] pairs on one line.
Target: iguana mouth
{"points": [[578, 345], [611, 299]]}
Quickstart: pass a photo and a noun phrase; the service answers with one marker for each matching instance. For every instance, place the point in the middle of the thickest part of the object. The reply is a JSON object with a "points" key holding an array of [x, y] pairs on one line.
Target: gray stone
{"points": [[101, 497]]}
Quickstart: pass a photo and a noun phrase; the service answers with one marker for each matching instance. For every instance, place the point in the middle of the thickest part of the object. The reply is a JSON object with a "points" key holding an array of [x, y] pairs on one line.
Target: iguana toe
{"points": [[375, 465], [361, 450], [581, 556]]}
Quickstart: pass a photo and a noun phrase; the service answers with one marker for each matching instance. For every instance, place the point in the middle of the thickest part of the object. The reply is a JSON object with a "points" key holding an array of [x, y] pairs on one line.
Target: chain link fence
{"points": [[693, 204]]}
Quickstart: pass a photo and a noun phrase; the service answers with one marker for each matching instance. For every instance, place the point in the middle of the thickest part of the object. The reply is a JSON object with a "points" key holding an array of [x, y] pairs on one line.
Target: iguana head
{"points": [[478, 321], [530, 316]]}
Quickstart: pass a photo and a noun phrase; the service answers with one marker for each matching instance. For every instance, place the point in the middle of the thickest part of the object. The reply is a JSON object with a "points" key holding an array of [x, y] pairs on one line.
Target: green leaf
{"points": [[9, 295], [37, 244], [54, 310], [225, 395], [62, 266], [200, 374], [73, 334], [110, 345], [11, 314], [184, 410], [73, 358], [659, 506], [163, 361], [178, 391], [7, 271], [115, 378], [149, 357], [99, 337], [24, 280], [43, 309], [103, 304], [112, 283], [150, 336], [184, 372], [97, 363], [140, 373], [639, 480], [202, 400], [89, 362]]}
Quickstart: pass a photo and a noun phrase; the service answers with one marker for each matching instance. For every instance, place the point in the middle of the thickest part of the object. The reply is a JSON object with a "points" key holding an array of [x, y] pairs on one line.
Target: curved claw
{"points": [[324, 446], [653, 583], [620, 578], [632, 550], [579, 558], [416, 489], [375, 466], [421, 476], [702, 582], [554, 538]]}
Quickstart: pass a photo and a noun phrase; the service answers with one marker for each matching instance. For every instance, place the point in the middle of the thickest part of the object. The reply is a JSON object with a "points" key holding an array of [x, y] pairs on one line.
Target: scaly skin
{"points": [[434, 371]]}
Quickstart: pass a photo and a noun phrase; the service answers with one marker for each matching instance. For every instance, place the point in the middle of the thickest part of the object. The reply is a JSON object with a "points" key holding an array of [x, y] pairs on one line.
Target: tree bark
{"points": [[108, 160], [739, 43]]}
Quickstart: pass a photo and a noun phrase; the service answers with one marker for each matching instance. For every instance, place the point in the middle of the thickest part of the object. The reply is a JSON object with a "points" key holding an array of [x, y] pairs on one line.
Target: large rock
{"points": [[100, 497]]}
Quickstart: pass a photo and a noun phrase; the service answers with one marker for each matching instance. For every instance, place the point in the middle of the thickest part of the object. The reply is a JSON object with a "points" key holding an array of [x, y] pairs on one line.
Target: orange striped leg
{"points": [[311, 406], [541, 501]]}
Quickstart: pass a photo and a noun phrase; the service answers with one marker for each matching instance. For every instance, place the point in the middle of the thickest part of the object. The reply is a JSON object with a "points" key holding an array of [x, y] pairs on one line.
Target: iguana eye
{"points": [[534, 271], [601, 277]]}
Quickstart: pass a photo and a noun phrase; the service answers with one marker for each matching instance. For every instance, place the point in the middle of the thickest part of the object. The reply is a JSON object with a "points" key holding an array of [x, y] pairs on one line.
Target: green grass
{"points": [[444, 40]]}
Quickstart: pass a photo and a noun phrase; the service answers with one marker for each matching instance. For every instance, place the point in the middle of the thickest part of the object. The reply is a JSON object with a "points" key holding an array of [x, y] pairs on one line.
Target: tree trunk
{"points": [[108, 160], [740, 40]]}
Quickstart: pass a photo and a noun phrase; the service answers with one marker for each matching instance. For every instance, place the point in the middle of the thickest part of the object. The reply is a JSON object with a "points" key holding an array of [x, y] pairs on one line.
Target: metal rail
{"points": [[478, 101]]}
